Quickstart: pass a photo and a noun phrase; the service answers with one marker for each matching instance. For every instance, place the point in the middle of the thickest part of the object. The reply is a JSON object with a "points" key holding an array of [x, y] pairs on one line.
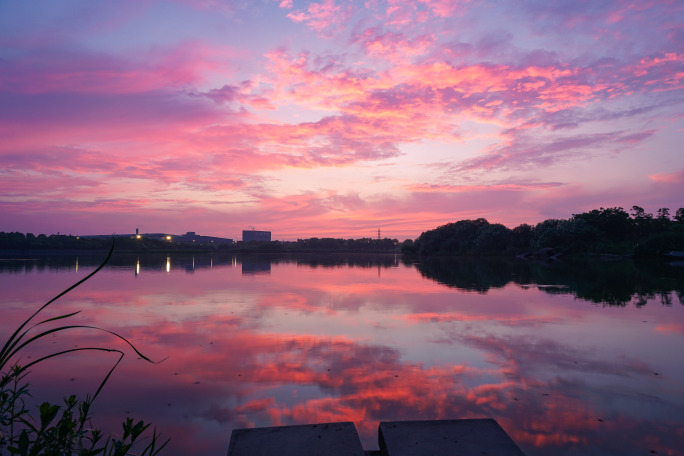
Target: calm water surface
{"points": [[569, 358]]}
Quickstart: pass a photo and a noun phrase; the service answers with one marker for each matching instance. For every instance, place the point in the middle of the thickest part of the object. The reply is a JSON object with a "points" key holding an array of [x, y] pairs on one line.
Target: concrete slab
{"points": [[330, 439], [445, 437]]}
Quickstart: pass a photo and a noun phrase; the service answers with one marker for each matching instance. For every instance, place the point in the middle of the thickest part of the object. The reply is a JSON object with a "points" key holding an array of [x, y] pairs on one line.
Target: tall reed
{"points": [[71, 433]]}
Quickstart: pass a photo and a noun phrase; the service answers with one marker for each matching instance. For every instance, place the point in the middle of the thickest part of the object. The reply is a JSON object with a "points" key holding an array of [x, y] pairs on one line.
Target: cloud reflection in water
{"points": [[341, 342]]}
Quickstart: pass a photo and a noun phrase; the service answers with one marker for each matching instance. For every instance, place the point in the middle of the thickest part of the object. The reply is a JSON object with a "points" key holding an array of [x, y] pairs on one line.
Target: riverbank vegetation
{"points": [[21, 242], [29, 241], [610, 231], [58, 430]]}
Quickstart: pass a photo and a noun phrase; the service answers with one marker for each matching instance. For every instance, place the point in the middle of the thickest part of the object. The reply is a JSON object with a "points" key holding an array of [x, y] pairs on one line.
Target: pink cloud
{"points": [[523, 151], [489, 93], [47, 70], [178, 118], [669, 178], [401, 14], [676, 328], [234, 94], [395, 47], [21, 184], [507, 320], [445, 8], [321, 16], [513, 186], [485, 92]]}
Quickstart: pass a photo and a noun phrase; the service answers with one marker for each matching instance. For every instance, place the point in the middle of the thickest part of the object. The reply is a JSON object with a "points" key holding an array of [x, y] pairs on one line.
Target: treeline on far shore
{"points": [[599, 231], [20, 242]]}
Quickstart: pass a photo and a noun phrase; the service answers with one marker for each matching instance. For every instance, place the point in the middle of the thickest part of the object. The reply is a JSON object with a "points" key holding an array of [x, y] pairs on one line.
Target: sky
{"points": [[335, 118]]}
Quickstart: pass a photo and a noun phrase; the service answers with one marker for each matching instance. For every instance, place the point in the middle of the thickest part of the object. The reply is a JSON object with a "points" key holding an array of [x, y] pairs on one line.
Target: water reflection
{"points": [[329, 339], [190, 262], [255, 265], [616, 283]]}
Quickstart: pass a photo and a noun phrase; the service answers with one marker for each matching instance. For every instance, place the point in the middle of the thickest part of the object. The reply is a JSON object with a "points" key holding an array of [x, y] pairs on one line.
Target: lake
{"points": [[569, 358]]}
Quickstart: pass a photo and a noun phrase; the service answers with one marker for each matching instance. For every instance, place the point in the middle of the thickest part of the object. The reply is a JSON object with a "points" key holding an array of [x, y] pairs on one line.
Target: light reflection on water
{"points": [[567, 365]]}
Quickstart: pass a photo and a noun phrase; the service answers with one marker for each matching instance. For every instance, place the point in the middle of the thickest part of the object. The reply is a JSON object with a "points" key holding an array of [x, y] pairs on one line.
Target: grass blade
{"points": [[64, 328], [15, 337]]}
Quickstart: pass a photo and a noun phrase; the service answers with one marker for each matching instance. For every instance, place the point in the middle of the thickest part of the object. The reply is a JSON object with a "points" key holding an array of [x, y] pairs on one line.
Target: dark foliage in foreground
{"points": [[600, 231], [58, 430]]}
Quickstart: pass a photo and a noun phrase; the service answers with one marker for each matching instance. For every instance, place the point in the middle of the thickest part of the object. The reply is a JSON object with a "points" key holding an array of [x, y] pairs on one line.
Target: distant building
{"points": [[253, 235], [187, 239], [195, 239], [157, 236], [191, 238]]}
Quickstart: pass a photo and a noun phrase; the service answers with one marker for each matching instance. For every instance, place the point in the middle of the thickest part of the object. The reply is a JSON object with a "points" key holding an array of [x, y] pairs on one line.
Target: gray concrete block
{"points": [[330, 439], [446, 438]]}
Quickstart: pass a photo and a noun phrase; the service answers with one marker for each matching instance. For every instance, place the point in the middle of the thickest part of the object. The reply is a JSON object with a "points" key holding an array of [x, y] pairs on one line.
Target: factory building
{"points": [[253, 235]]}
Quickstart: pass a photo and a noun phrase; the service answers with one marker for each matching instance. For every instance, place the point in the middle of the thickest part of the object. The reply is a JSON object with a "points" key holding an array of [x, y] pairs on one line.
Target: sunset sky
{"points": [[335, 118]]}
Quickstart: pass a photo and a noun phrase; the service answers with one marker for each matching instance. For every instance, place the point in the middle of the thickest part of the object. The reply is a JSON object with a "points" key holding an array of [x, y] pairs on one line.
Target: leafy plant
{"points": [[53, 434]]}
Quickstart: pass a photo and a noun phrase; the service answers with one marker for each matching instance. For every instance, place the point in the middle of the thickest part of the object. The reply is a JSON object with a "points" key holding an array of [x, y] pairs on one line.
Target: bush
{"points": [[660, 243]]}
